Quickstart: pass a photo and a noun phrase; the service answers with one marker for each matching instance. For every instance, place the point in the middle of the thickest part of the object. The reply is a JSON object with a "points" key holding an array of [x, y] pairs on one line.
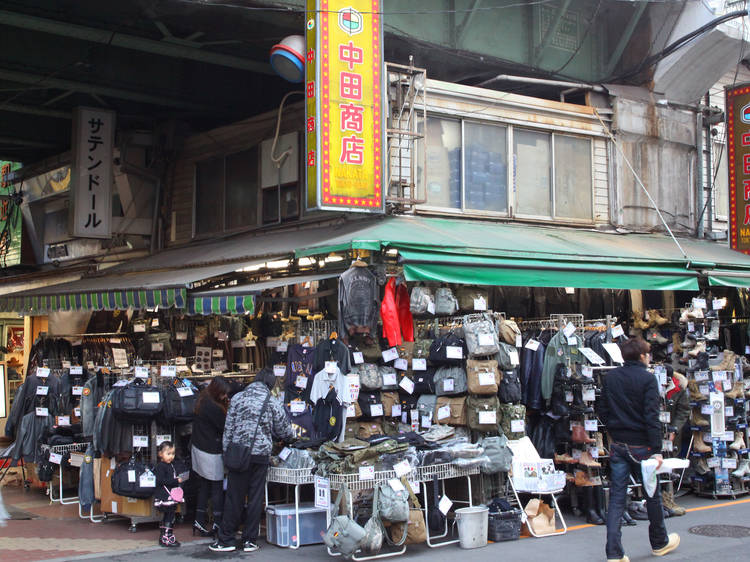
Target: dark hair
{"points": [[266, 376], [163, 446], [633, 348], [217, 391]]}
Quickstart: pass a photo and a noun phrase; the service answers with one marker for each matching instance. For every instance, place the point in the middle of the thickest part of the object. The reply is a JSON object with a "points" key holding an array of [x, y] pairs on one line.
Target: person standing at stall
{"points": [[254, 419], [630, 411], [206, 450]]}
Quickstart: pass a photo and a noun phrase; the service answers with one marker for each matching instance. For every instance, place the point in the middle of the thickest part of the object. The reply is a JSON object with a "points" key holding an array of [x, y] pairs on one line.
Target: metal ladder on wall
{"points": [[407, 114]]}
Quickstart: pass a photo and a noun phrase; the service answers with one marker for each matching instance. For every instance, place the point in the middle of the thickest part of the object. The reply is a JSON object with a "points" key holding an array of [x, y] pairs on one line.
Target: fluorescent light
{"points": [[304, 262], [279, 264], [334, 258]]}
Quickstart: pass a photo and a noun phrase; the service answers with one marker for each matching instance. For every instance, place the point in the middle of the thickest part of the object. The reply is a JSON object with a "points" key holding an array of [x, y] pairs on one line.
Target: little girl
{"points": [[165, 500]]}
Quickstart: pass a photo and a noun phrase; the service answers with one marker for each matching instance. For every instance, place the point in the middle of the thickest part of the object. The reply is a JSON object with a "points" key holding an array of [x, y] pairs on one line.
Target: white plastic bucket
{"points": [[472, 526]]}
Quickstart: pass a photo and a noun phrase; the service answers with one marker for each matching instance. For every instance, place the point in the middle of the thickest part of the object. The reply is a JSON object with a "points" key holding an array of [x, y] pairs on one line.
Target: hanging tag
{"points": [[486, 339], [488, 418], [691, 327], [161, 438], [284, 454], [157, 346], [665, 417], [376, 410], [572, 341], [396, 484], [617, 331], [330, 367], [140, 440], [569, 330], [42, 412], [589, 394], [719, 376], [367, 473], [55, 458], [592, 356], [614, 352], [298, 406], [728, 462], [42, 372], [407, 384], [217, 353], [444, 505], [76, 370], [443, 412], [449, 385], [727, 385], [131, 475], [718, 304], [402, 468], [396, 410], [181, 336], [707, 409], [184, 391], [486, 378], [587, 372], [454, 352], [568, 396], [480, 304], [401, 364], [141, 372], [431, 307], [114, 507], [279, 370], [389, 379], [351, 411], [532, 344], [150, 397], [322, 493], [42, 390], [168, 371], [63, 420], [513, 355], [519, 340], [701, 376], [301, 381], [404, 418], [77, 412], [699, 302], [426, 422], [419, 364], [414, 415], [358, 358], [591, 425], [517, 426], [139, 328], [729, 411], [390, 355], [594, 452], [147, 480]]}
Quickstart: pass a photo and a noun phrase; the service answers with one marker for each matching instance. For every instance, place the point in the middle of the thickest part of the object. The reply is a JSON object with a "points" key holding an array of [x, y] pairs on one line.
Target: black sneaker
{"points": [[250, 546], [220, 547]]}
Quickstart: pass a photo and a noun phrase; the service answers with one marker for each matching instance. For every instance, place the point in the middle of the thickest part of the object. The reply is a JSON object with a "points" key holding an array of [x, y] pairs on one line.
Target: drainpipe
{"points": [[710, 172], [699, 173], [542, 82]]}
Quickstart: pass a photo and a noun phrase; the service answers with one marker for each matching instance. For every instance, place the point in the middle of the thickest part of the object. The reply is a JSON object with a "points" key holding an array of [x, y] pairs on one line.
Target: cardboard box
{"points": [[114, 503]]}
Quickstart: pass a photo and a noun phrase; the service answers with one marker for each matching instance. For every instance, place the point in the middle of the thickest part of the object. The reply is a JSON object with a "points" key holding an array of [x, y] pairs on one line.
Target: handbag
{"points": [[176, 494], [137, 402], [392, 505], [133, 479], [370, 377], [179, 404], [482, 377], [481, 338], [373, 539], [390, 399], [508, 331], [420, 300], [371, 404], [451, 410], [450, 380], [500, 455], [447, 349], [236, 456], [388, 377], [507, 357], [482, 413], [511, 413], [424, 381], [435, 518], [468, 296], [413, 531], [344, 535], [426, 407]]}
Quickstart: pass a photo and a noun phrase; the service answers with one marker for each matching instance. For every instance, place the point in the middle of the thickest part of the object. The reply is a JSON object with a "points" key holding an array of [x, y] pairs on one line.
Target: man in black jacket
{"points": [[630, 411]]}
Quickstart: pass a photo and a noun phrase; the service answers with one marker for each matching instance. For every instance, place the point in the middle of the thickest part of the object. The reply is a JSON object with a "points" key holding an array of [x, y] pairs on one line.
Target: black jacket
{"points": [[208, 427], [630, 406], [166, 475]]}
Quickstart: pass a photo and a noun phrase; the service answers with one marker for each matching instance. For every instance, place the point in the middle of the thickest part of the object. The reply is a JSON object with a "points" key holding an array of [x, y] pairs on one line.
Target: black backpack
{"points": [[127, 481], [179, 404], [137, 402], [509, 390], [424, 381], [439, 350], [366, 402]]}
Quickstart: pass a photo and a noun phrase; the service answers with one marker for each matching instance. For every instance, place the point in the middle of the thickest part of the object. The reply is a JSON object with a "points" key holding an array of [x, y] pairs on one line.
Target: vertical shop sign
{"points": [[11, 223], [343, 88], [738, 146], [91, 189]]}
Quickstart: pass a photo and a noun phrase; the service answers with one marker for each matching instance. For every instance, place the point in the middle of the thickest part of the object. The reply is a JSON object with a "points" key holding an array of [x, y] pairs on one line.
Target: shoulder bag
{"points": [[237, 456], [413, 531], [344, 535]]}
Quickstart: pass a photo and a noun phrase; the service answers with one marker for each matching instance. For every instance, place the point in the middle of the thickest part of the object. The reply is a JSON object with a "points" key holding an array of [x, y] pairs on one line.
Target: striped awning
{"points": [[102, 300], [232, 304]]}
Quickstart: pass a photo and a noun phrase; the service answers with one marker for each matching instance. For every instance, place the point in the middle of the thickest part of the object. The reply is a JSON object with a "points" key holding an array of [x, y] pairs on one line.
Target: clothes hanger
{"points": [[358, 262]]}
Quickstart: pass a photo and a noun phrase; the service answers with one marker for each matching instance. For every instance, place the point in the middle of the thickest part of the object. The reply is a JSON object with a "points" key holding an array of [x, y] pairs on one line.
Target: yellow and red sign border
{"points": [[738, 147]]}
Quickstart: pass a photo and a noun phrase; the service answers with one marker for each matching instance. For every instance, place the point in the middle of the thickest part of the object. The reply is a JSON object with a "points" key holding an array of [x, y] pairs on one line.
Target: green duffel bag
{"points": [[482, 413], [513, 413]]}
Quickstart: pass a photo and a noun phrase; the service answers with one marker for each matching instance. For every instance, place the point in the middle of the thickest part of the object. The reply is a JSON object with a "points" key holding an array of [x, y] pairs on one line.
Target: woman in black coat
{"points": [[208, 429]]}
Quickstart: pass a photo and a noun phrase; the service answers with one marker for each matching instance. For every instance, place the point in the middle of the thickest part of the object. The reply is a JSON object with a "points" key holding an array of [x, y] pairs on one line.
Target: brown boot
{"points": [[738, 391], [667, 499], [739, 442], [638, 322], [655, 318], [600, 443], [727, 363], [580, 435], [676, 343], [700, 347], [699, 446], [696, 419], [695, 393], [565, 458], [582, 479], [587, 460]]}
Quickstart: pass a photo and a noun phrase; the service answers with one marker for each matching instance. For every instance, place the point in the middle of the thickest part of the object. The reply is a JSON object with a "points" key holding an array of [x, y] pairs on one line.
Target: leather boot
{"points": [[700, 466], [600, 443], [587, 460], [676, 343], [580, 435], [695, 313], [739, 441], [667, 500], [700, 347], [655, 318], [564, 458], [738, 391], [578, 404], [592, 517], [638, 322], [627, 519], [701, 360], [655, 337], [743, 469], [696, 419], [582, 479], [727, 362], [695, 394], [699, 446]]}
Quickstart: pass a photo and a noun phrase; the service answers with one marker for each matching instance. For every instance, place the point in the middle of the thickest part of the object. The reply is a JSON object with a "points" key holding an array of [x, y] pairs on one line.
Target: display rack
{"points": [[61, 450], [296, 477]]}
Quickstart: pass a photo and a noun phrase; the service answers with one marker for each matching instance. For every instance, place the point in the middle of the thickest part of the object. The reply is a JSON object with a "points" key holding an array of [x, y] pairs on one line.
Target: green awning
{"points": [[104, 300], [729, 279], [230, 304]]}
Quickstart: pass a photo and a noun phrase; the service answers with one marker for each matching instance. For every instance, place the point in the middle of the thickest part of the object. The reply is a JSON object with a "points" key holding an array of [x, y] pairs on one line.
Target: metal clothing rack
{"points": [[61, 450]]}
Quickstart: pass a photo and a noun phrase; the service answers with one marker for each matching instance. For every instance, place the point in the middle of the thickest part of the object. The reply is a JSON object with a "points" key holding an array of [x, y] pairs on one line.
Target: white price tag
{"points": [[404, 418], [707, 409], [592, 356], [352, 383], [513, 355], [390, 355], [665, 417], [519, 340], [322, 492], [568, 396], [55, 458], [389, 379], [454, 352], [667, 445], [76, 370], [42, 372], [77, 412], [42, 390], [351, 411], [157, 346], [401, 364], [407, 384], [719, 376], [376, 410], [614, 352], [449, 385], [367, 473], [590, 425], [168, 371], [594, 451], [161, 438], [283, 346], [617, 331], [147, 480], [419, 364], [181, 336], [284, 454], [587, 372], [114, 507], [691, 327], [728, 411], [298, 406], [279, 370], [301, 381], [184, 391], [42, 412], [728, 436], [589, 394], [532, 344], [139, 328], [150, 397], [486, 378], [517, 426], [120, 356], [431, 307], [488, 418], [140, 440], [331, 367], [727, 385], [480, 304], [729, 463], [718, 304], [572, 341], [122, 382], [396, 410], [141, 372], [414, 415], [426, 422], [358, 357], [63, 420], [569, 330], [402, 468], [443, 412], [131, 475], [699, 302], [486, 339], [701, 376], [444, 505], [180, 361]]}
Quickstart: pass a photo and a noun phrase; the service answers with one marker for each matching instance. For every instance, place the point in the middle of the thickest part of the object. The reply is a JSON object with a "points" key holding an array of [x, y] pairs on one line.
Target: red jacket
{"points": [[395, 314]]}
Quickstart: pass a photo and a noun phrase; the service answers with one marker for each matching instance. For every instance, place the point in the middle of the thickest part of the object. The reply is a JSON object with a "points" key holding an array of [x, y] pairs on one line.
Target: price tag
{"points": [[42, 372], [122, 382], [42, 390], [114, 507], [161, 438], [701, 376], [480, 304], [729, 463], [396, 410], [168, 371], [352, 383], [576, 454], [729, 411], [351, 411], [703, 389], [594, 451], [572, 340], [431, 307], [184, 391], [157, 346], [513, 355], [707, 409], [589, 394], [147, 480], [592, 356], [389, 379], [414, 415], [131, 475], [667, 445], [727, 385], [150, 397], [488, 418], [301, 381], [331, 367], [115, 340], [139, 328], [517, 426], [486, 339], [569, 330], [63, 420], [444, 505], [298, 406], [141, 372], [728, 436], [449, 385], [617, 331], [532, 344], [376, 410], [691, 327], [591, 425], [426, 422], [396, 484], [713, 462], [140, 440], [699, 302], [284, 454], [587, 372], [322, 493], [367, 473], [454, 352], [402, 468], [665, 417], [217, 353], [519, 340], [358, 357], [401, 364], [443, 412], [407, 384], [419, 364], [614, 352], [120, 356], [568, 396], [279, 370], [76, 370], [404, 418], [55, 458], [486, 378], [89, 365], [390, 355], [718, 304], [66, 364], [661, 375], [77, 412], [181, 336]]}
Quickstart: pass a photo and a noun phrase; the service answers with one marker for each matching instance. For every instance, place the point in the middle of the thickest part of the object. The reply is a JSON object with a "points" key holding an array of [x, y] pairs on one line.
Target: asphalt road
{"points": [[581, 544]]}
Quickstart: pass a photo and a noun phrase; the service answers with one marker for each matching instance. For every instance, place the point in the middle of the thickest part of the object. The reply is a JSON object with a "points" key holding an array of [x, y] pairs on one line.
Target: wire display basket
{"points": [[444, 471], [280, 475]]}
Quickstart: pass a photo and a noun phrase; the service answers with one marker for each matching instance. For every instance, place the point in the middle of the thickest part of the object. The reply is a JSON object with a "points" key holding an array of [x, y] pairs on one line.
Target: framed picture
{"points": [[14, 341]]}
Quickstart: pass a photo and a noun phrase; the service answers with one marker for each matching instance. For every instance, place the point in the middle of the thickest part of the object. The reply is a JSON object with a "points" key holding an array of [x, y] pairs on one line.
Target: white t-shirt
{"points": [[324, 381]]}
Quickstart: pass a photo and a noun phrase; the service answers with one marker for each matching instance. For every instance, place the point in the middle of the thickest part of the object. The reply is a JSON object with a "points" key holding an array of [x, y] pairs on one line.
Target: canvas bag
{"points": [[479, 332], [439, 349], [416, 530], [137, 402], [370, 377], [367, 400], [374, 532], [509, 389], [179, 404], [504, 359], [479, 410], [426, 406], [511, 412], [365, 430], [389, 399], [392, 505], [424, 381], [500, 455], [344, 535], [388, 370], [508, 331], [442, 379], [420, 300], [456, 407], [445, 303], [479, 374], [467, 296]]}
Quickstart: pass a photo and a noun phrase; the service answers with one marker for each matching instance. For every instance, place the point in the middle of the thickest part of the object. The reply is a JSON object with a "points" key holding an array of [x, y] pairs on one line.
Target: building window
{"points": [[486, 162], [573, 181], [532, 173], [443, 185]]}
